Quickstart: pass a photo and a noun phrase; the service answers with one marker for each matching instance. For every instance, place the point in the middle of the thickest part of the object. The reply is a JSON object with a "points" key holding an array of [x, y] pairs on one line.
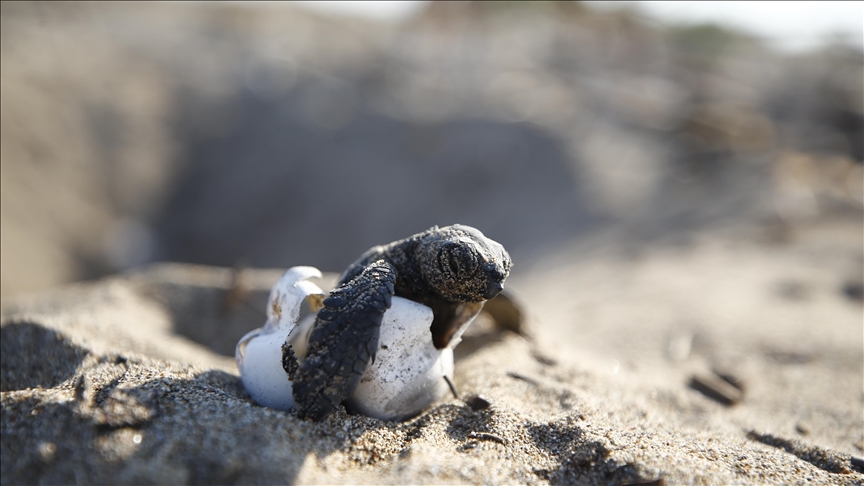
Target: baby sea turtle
{"points": [[451, 270]]}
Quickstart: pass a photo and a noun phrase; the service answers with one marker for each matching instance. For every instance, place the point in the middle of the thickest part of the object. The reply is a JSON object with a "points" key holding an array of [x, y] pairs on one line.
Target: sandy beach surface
{"points": [[617, 377], [682, 203]]}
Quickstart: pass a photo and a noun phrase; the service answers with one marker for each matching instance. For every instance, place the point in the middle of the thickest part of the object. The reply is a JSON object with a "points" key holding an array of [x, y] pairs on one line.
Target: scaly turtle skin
{"points": [[452, 270]]}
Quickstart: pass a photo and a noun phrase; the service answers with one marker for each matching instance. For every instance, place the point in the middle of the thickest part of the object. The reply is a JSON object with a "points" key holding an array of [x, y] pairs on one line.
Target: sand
{"points": [[606, 154], [130, 379]]}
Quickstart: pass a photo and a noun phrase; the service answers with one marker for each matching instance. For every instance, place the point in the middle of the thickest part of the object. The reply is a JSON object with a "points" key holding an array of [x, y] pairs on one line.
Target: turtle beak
{"points": [[493, 288]]}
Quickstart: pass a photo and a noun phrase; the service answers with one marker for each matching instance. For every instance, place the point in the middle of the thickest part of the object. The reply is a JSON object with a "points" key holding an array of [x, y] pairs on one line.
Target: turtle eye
{"points": [[455, 264], [468, 262], [447, 261], [457, 260], [463, 262]]}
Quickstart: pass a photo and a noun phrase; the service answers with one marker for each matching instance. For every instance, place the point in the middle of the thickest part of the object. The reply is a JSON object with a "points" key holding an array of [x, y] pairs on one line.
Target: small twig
{"points": [[656, 482], [522, 378], [452, 388], [487, 436], [717, 388], [237, 294]]}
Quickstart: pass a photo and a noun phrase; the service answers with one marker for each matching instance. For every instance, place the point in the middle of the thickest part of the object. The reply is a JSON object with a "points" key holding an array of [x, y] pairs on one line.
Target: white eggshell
{"points": [[283, 305], [259, 353], [408, 372]]}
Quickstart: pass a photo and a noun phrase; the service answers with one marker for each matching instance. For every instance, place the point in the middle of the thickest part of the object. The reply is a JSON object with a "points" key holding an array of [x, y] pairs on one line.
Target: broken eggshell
{"points": [[406, 376], [259, 352]]}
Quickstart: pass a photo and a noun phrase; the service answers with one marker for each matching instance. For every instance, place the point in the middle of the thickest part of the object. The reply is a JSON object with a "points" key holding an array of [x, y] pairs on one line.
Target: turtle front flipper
{"points": [[343, 341]]}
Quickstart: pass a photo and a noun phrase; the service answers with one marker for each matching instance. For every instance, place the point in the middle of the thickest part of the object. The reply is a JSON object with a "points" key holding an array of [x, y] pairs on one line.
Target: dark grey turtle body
{"points": [[452, 270], [442, 268]]}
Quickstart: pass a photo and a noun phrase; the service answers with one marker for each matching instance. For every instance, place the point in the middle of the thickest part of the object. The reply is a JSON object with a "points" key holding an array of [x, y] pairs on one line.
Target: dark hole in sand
{"points": [[281, 191]]}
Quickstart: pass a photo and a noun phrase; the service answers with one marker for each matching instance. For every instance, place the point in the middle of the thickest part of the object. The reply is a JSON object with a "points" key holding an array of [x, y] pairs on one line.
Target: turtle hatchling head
{"points": [[463, 265]]}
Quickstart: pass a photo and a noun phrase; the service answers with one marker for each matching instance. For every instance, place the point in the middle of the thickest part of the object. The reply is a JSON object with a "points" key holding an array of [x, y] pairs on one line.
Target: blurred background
{"points": [[281, 134]]}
